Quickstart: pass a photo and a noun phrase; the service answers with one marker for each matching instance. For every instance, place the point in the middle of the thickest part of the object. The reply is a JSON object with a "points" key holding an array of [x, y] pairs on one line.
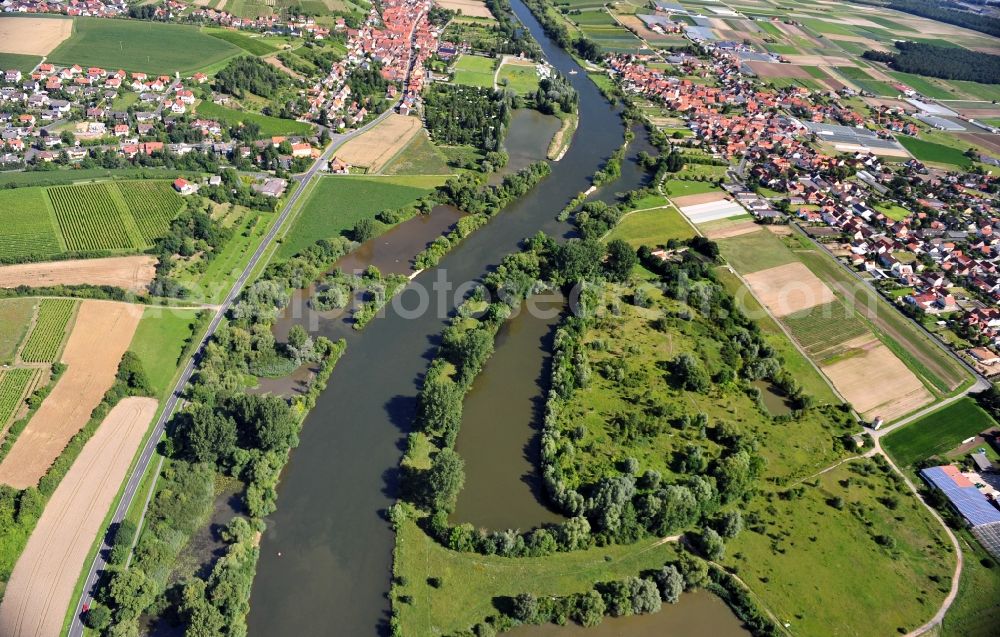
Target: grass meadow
{"points": [[652, 227], [473, 70], [337, 203], [15, 316], [23, 63], [269, 126], [159, 342]]}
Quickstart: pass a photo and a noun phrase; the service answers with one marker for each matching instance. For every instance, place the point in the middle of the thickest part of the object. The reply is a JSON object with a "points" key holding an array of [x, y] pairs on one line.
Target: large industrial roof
{"points": [[972, 504]]}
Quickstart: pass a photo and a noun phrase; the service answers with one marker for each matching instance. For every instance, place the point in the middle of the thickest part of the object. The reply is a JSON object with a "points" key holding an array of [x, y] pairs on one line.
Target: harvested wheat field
{"points": [[789, 288], [818, 60], [876, 382], [102, 333], [374, 149], [41, 587], [131, 273], [775, 69], [33, 36], [473, 8]]}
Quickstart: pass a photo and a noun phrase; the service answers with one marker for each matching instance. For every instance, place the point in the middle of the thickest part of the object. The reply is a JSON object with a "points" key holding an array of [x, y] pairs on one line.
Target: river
{"points": [[325, 562]]}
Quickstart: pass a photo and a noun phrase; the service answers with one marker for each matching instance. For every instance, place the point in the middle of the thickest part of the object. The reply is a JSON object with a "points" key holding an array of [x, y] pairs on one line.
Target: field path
{"points": [[41, 587], [102, 333]]}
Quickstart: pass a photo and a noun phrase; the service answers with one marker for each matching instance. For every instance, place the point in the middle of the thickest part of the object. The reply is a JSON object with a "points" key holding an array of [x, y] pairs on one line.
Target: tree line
{"points": [[946, 62]]}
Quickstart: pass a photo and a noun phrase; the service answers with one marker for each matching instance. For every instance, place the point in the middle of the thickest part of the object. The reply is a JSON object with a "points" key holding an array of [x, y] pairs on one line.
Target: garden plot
{"points": [[708, 207], [102, 333], [789, 288]]}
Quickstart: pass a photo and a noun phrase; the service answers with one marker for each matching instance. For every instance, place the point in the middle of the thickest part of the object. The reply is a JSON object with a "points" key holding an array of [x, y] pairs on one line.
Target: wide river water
{"points": [[326, 556]]}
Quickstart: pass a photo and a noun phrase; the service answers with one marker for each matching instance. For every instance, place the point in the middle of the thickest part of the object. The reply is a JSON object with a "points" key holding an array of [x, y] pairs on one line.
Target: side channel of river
{"points": [[326, 556]]}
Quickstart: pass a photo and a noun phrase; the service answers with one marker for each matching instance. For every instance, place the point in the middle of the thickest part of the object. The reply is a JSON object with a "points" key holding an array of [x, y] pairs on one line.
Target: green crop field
{"points": [[15, 316], [28, 228], [338, 203], [13, 384], [269, 126], [652, 227], [153, 205], [925, 86], [473, 70], [47, 336], [255, 46], [23, 63], [937, 432], [133, 45], [932, 152], [821, 328], [90, 220], [756, 251]]}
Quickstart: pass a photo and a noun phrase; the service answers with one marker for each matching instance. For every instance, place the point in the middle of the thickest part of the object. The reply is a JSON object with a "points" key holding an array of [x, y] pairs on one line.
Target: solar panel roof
{"points": [[972, 504]]}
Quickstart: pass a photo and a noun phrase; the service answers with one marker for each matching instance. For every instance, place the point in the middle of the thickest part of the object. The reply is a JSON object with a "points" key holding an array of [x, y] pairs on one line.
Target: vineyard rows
{"points": [[47, 336], [27, 226], [14, 384], [89, 218], [823, 327], [153, 204], [116, 217]]}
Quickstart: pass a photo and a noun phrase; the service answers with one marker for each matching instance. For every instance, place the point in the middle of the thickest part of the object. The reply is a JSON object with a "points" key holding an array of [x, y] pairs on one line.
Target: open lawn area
{"points": [[269, 126], [893, 211], [806, 548], [474, 70], [937, 432], [652, 227], [469, 582], [337, 203], [133, 45], [682, 188], [520, 78], [933, 152], [159, 341]]}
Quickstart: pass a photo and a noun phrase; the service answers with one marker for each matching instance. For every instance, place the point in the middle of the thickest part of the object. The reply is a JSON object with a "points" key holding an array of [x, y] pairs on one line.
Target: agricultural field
{"points": [[34, 35], [374, 148], [29, 232], [15, 317], [15, 384], [821, 329], [90, 221], [153, 205], [159, 341], [269, 126], [23, 63], [683, 188], [49, 332], [473, 70], [133, 273], [253, 45], [933, 152], [133, 45], [337, 203], [937, 432], [419, 157]]}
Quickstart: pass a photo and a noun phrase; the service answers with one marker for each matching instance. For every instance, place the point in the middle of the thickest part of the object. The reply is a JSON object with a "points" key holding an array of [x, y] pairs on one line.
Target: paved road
{"points": [[132, 486]]}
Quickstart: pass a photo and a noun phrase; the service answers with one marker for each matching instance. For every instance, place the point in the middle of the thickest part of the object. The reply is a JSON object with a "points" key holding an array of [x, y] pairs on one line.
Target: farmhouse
{"points": [[183, 186]]}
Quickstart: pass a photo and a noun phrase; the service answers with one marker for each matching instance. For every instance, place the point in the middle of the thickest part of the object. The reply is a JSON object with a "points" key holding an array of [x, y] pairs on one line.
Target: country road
{"points": [[135, 478]]}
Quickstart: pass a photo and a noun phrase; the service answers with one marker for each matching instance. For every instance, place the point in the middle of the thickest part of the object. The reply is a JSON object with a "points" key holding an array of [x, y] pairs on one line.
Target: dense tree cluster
{"points": [[553, 93], [368, 87], [467, 115], [247, 74], [946, 62]]}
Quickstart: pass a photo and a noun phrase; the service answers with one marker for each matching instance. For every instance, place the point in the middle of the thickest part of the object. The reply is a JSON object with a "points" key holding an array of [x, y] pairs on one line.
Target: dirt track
{"points": [[32, 36], [376, 147], [41, 587], [102, 333], [131, 273]]}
